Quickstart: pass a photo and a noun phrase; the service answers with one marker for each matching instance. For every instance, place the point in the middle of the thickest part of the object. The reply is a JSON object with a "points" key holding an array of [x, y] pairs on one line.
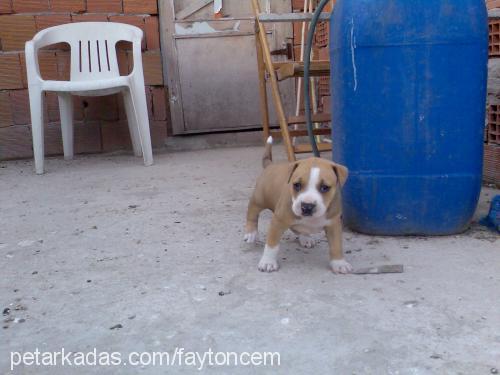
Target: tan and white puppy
{"points": [[305, 196]]}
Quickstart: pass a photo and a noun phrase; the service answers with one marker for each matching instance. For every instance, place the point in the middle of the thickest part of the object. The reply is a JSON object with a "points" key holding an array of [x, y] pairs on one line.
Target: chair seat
{"points": [[88, 88]]}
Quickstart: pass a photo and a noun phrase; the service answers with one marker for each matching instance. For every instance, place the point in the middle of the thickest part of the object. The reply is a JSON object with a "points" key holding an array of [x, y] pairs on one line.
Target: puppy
{"points": [[305, 196]]}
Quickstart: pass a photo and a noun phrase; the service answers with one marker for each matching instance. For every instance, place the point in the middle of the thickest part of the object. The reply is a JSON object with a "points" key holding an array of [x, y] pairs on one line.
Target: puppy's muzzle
{"points": [[307, 208]]}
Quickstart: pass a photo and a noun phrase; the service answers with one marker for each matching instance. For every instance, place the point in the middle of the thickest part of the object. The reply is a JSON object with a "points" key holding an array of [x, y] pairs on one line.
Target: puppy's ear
{"points": [[291, 168], [341, 172]]}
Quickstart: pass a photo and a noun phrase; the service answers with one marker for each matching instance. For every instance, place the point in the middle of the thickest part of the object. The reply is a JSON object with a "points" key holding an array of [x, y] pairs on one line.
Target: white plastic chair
{"points": [[94, 72]]}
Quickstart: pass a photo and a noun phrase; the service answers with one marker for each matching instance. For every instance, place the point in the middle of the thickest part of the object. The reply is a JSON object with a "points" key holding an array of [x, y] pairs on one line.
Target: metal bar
{"points": [[291, 17]]}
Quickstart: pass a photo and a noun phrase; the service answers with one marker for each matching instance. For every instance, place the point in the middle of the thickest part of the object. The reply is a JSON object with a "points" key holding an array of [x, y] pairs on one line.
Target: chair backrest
{"points": [[93, 46]]}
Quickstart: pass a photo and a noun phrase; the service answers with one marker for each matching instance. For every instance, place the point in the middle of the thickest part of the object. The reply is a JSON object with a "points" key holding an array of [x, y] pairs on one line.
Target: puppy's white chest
{"points": [[310, 225]]}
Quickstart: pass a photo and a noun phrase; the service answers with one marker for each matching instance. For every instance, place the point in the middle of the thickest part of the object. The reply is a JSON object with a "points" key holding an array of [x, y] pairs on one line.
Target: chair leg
{"points": [[132, 123], [66, 113], [36, 109], [141, 115], [264, 109]]}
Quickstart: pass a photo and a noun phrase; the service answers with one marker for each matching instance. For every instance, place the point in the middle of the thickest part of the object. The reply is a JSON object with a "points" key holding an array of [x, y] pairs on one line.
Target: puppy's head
{"points": [[313, 183]]}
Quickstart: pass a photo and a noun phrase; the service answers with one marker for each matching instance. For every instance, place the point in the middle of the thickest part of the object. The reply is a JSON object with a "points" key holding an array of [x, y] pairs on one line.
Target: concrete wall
{"points": [[100, 123]]}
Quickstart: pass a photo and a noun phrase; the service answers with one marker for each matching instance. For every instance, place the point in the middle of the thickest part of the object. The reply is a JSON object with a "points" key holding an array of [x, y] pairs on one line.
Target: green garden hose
{"points": [[307, 85]]}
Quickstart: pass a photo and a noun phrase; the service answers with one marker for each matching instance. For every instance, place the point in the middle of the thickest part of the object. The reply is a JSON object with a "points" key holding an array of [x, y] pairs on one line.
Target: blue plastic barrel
{"points": [[408, 110]]}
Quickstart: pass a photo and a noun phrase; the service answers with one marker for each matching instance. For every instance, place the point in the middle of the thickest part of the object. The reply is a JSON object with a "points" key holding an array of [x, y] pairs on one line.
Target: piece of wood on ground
{"points": [[388, 268]]}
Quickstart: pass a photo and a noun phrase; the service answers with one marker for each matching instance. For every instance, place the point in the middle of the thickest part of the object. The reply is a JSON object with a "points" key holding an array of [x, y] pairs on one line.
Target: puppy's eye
{"points": [[297, 186], [324, 188]]}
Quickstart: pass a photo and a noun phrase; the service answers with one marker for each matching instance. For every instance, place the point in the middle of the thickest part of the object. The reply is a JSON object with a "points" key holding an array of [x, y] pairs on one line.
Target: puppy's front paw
{"points": [[250, 237], [340, 266], [307, 241], [268, 265]]}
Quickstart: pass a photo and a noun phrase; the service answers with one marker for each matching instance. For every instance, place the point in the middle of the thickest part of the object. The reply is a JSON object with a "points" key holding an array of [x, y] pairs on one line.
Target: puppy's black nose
{"points": [[307, 208]]}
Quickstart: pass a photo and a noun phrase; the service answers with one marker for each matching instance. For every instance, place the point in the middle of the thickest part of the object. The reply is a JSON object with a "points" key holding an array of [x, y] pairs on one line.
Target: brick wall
{"points": [[491, 170], [100, 123]]}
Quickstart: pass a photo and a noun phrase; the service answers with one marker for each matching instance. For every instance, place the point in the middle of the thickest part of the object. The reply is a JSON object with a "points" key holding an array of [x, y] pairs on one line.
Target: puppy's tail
{"points": [[267, 158]]}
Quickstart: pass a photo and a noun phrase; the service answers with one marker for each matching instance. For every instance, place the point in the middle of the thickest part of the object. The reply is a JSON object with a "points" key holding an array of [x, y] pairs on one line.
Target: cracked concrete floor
{"points": [[102, 240]]}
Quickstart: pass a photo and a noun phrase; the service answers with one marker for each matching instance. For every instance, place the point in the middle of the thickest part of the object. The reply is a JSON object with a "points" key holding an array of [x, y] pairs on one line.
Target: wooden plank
{"points": [[284, 70], [291, 17], [190, 9], [302, 133], [306, 148], [170, 67], [318, 117]]}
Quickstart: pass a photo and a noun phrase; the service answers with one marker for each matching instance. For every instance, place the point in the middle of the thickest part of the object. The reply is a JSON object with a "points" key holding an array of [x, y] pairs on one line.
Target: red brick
{"points": [[159, 103], [45, 21], [121, 108], [88, 137], [24, 77], [10, 72], [5, 110], [15, 30], [297, 4], [149, 101], [52, 107], [77, 108], [152, 33], [153, 74], [89, 18], [325, 102], [115, 136], [5, 6], [20, 104], [98, 107], [15, 142], [123, 62], [297, 33], [67, 5], [158, 130], [47, 63], [323, 54], [491, 4], [63, 65], [140, 7], [137, 21], [104, 6], [491, 165], [53, 139], [25, 6], [322, 34]]}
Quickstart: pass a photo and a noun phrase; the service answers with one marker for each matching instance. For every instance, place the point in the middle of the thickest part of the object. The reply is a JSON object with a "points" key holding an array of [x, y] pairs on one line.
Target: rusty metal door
{"points": [[210, 64]]}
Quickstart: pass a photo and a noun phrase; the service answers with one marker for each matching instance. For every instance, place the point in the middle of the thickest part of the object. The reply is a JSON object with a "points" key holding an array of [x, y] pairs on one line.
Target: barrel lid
{"points": [[403, 22]]}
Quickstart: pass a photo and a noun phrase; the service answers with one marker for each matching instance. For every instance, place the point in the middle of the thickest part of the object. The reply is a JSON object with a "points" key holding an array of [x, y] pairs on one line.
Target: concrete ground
{"points": [[103, 253]]}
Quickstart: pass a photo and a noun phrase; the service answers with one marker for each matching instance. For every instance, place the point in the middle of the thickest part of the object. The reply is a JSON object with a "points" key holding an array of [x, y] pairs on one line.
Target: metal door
{"points": [[210, 59]]}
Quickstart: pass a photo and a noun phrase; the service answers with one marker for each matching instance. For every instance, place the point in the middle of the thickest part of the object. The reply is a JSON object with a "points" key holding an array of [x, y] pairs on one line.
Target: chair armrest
{"points": [[32, 68], [137, 55]]}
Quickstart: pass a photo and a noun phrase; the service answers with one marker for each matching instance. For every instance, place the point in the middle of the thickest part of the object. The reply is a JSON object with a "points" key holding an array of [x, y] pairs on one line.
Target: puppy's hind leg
{"points": [[252, 222]]}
